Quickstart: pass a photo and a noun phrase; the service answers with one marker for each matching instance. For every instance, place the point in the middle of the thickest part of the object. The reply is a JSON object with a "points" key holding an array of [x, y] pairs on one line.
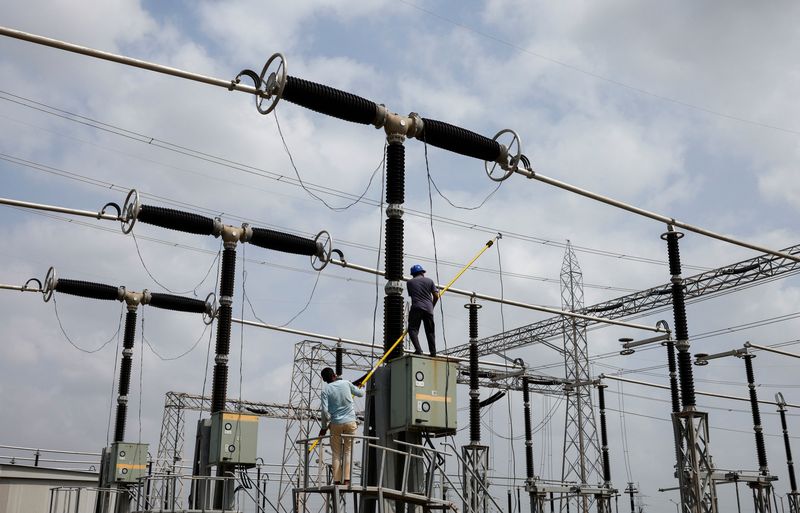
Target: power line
{"points": [[262, 173]]}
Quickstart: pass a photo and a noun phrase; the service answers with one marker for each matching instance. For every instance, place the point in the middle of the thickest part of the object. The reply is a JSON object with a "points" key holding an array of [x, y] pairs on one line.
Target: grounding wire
{"points": [[76, 346], [303, 185], [210, 336], [114, 376], [461, 207], [193, 290], [623, 430], [185, 353], [141, 376], [152, 141], [378, 259]]}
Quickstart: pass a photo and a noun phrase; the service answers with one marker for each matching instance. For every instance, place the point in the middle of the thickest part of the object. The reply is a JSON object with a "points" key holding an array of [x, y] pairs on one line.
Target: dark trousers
{"points": [[415, 317]]}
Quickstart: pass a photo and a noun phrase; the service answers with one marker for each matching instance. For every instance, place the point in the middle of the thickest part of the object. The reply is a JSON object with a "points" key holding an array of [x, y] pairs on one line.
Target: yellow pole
{"points": [[441, 293]]}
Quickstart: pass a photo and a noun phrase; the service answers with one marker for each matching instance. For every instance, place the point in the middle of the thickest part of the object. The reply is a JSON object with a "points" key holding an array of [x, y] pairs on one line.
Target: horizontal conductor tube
{"points": [[87, 289], [176, 220], [177, 303], [330, 101], [459, 140], [283, 242]]}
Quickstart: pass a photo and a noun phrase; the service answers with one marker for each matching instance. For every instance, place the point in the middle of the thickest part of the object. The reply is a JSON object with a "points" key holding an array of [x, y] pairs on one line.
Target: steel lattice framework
{"points": [[172, 438], [581, 459], [747, 273]]}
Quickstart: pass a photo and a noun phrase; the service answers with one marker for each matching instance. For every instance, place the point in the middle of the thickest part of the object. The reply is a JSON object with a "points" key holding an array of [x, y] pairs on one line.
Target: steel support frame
{"points": [[695, 468], [476, 477]]}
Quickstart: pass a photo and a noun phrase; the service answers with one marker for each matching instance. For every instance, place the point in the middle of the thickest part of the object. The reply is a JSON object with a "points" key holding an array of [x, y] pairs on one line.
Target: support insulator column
{"points": [[681, 326], [219, 382], [339, 355], [787, 446], [761, 449], [526, 407], [474, 392], [393, 302], [125, 374], [601, 399]]}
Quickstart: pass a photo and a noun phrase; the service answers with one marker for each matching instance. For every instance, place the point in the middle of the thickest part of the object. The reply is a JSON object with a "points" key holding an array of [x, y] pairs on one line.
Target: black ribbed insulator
{"points": [[761, 450], [526, 404], [177, 303], [124, 376], [394, 249], [87, 289], [224, 315], [459, 140], [674, 253], [339, 355], [686, 378], [227, 277], [395, 173], [474, 402], [679, 311], [330, 101], [601, 397], [473, 321], [119, 422], [283, 242], [788, 447], [392, 323], [219, 387], [130, 330], [673, 379], [176, 220]]}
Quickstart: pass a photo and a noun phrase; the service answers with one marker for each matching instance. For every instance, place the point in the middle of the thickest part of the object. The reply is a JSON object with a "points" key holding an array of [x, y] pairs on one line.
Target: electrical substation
{"points": [[422, 443]]}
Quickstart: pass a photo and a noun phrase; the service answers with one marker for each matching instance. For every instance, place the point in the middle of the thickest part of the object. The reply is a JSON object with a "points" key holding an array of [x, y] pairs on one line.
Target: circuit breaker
{"points": [[233, 438], [126, 462], [423, 395]]}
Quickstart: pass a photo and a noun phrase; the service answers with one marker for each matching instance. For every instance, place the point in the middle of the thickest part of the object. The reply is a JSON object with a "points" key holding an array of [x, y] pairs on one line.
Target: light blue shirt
{"points": [[337, 402]]}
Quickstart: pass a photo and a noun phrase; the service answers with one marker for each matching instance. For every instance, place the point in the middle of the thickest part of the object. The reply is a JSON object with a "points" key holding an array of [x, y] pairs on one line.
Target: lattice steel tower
{"points": [[581, 462]]}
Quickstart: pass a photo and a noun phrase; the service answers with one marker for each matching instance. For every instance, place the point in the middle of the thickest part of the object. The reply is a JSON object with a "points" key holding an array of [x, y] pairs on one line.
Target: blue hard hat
{"points": [[416, 269]]}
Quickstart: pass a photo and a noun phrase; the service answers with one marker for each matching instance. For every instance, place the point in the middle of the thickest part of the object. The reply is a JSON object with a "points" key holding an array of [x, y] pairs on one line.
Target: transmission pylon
{"points": [[581, 462]]}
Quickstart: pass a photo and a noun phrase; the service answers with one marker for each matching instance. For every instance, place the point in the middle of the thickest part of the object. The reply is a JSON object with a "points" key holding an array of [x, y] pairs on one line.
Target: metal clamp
{"points": [[509, 158], [130, 211], [50, 282], [274, 83]]}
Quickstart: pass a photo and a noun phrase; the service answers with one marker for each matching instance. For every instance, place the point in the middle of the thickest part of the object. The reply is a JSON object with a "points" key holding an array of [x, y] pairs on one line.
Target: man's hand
{"points": [[322, 432]]}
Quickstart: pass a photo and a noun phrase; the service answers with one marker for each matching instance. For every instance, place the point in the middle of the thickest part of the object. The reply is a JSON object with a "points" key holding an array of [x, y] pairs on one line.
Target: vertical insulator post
{"points": [[526, 406], [474, 391], [219, 385], [601, 399], [393, 302], [673, 377], [125, 374], [789, 462], [631, 490], [761, 449], [339, 355], [679, 312]]}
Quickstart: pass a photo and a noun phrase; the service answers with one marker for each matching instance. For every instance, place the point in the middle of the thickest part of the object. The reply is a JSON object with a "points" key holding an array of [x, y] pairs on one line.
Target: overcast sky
{"points": [[687, 109]]}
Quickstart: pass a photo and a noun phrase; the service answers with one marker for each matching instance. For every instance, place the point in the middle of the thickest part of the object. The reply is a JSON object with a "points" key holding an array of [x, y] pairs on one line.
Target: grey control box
{"points": [[234, 439], [423, 395], [125, 462]]}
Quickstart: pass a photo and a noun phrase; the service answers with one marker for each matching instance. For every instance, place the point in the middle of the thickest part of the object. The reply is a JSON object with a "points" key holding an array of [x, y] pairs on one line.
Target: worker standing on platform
{"points": [[424, 296], [339, 414]]}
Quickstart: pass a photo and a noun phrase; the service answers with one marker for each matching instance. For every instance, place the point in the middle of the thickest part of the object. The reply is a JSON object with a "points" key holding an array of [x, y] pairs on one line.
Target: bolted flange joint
{"points": [[122, 399], [393, 288], [394, 210], [225, 300], [221, 359], [127, 352]]}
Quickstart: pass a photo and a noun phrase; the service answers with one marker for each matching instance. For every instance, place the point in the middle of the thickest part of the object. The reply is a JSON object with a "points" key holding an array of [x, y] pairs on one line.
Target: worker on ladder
{"points": [[424, 296]]}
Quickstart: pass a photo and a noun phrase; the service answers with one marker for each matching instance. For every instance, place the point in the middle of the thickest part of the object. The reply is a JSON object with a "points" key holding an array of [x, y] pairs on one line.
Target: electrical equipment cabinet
{"points": [[423, 395], [125, 462], [234, 439]]}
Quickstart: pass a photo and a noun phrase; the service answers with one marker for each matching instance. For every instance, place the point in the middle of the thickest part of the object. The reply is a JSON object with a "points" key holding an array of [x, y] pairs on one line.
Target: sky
{"points": [[683, 108]]}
